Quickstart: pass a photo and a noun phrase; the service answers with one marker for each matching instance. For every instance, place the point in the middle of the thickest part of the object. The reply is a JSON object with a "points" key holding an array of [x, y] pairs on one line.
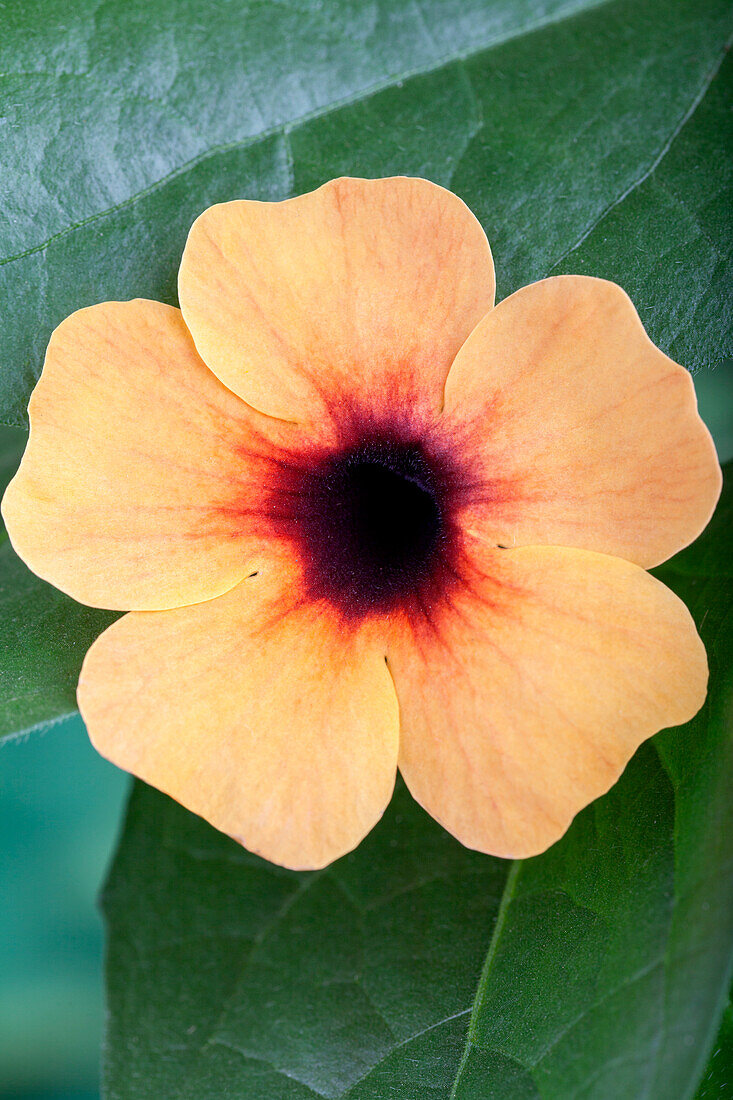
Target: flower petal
{"points": [[254, 710], [524, 700], [363, 290], [582, 432], [141, 467]]}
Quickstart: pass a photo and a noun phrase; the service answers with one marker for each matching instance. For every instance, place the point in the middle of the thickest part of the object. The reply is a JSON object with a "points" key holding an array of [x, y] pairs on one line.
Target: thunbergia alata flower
{"points": [[363, 520]]}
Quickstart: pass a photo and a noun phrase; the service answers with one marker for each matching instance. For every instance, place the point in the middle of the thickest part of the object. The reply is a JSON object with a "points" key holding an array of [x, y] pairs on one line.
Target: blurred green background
{"points": [[60, 808]]}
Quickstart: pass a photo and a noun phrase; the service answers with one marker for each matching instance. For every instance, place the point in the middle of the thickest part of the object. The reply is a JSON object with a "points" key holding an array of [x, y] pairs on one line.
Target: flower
{"points": [[362, 519]]}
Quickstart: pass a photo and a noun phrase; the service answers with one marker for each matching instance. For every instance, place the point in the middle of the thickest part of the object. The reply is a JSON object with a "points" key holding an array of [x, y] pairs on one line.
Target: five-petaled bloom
{"points": [[362, 519]]}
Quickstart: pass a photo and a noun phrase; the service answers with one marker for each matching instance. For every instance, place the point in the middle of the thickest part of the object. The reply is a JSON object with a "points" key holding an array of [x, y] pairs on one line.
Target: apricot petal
{"points": [[359, 293], [134, 489], [579, 431], [256, 711], [523, 700]]}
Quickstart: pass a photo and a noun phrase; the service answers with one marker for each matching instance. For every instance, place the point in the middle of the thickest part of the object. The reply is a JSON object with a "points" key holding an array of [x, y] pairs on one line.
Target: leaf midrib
{"points": [[510, 889], [493, 41], [648, 172], [509, 892]]}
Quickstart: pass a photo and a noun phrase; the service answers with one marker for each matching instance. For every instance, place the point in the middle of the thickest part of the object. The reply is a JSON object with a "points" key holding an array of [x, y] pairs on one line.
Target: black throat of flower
{"points": [[371, 523]]}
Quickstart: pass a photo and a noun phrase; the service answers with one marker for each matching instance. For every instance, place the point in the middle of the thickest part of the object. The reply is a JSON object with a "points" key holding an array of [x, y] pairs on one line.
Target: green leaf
{"points": [[679, 267], [605, 975], [543, 122], [586, 135], [43, 638], [43, 634], [125, 128], [717, 1084], [12, 445], [229, 977], [610, 964], [110, 101]]}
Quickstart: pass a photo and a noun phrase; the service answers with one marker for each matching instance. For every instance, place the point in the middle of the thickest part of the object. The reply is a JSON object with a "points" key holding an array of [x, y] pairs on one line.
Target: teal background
{"points": [[60, 807]]}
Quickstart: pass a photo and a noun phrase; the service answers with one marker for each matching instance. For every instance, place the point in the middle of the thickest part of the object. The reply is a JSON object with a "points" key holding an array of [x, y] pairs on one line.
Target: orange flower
{"points": [[363, 520]]}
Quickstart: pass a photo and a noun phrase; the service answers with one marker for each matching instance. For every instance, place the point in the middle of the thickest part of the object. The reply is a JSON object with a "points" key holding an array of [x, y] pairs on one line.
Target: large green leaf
{"points": [[633, 908], [124, 126], [12, 443], [105, 100], [124, 130], [43, 634], [228, 977], [717, 1084], [43, 638], [593, 141], [605, 976]]}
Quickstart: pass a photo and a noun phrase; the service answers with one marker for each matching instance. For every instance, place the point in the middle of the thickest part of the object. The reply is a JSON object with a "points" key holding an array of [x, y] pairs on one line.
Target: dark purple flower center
{"points": [[372, 524]]}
